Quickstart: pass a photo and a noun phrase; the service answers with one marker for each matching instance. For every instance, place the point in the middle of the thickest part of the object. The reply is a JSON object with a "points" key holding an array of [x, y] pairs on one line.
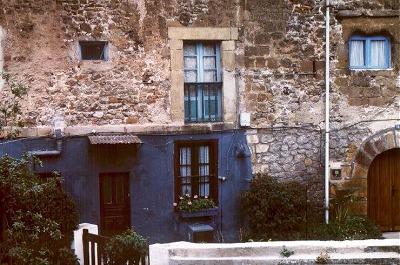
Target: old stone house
{"points": [[138, 102]]}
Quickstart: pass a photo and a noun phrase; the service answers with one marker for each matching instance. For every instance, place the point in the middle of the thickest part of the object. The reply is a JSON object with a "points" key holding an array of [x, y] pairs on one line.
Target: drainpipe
{"points": [[56, 152], [327, 112]]}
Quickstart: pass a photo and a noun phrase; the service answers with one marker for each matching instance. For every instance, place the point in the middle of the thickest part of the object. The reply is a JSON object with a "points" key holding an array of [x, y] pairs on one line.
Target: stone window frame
{"points": [[199, 108], [227, 36]]}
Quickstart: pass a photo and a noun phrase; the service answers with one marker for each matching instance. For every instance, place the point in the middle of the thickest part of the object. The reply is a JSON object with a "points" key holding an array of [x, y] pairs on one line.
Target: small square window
{"points": [[93, 50], [369, 52]]}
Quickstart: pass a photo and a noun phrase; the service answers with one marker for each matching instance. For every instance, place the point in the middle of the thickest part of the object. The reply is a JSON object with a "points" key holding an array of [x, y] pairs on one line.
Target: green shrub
{"points": [[13, 93], [128, 247], [286, 252], [40, 216], [352, 228], [274, 210]]}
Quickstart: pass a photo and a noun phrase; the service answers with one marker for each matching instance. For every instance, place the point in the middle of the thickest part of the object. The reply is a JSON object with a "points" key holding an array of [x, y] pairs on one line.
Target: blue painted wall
{"points": [[151, 168]]}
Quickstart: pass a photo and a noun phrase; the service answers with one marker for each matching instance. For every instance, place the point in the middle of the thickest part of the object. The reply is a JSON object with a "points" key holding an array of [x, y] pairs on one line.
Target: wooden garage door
{"points": [[384, 190]]}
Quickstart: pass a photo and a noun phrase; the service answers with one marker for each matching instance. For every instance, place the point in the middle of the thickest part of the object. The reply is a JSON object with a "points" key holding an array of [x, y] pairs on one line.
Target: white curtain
{"points": [[204, 170], [378, 57], [190, 62], [357, 57]]}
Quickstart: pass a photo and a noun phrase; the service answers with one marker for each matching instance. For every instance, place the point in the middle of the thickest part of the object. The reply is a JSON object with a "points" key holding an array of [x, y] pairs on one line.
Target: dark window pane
{"points": [[93, 50], [107, 196], [120, 189]]}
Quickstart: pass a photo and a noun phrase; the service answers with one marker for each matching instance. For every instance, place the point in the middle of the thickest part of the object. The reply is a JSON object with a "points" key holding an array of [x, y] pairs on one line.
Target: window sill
{"points": [[207, 126], [203, 213], [371, 69]]}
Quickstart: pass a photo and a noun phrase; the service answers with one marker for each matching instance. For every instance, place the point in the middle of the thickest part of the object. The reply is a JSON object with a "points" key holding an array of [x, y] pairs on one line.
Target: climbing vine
{"points": [[12, 93]]}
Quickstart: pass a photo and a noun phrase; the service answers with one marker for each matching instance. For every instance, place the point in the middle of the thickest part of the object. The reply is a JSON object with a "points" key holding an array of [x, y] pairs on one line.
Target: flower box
{"points": [[203, 213]]}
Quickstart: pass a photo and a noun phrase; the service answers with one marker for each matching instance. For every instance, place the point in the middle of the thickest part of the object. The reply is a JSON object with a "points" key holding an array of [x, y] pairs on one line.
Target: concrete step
{"points": [[274, 248], [384, 252], [365, 259]]}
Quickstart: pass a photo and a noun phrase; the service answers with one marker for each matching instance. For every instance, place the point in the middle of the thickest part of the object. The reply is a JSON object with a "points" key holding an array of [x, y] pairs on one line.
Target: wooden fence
{"points": [[96, 244]]}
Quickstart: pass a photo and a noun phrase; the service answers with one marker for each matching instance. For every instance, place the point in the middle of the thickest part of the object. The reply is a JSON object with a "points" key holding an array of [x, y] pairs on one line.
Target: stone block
{"points": [[199, 33], [260, 62], [252, 139], [358, 208], [176, 60], [359, 171], [361, 81], [308, 162], [357, 183], [380, 144], [175, 44], [307, 67], [379, 101], [262, 148], [363, 159], [229, 96], [228, 45], [389, 138], [177, 107], [234, 33], [397, 138], [358, 101], [256, 50], [228, 60], [369, 148], [319, 65], [249, 62], [262, 39], [132, 120]]}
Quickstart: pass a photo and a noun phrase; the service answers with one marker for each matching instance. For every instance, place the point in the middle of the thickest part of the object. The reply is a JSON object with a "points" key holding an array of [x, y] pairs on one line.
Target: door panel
{"points": [[395, 192], [383, 186], [114, 203]]}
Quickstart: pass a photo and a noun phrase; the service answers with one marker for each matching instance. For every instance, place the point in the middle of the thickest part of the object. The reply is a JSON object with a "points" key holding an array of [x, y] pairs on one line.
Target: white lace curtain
{"points": [[378, 56], [376, 52]]}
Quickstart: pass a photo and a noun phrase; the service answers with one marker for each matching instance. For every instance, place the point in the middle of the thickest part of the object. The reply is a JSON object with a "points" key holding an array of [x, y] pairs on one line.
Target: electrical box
{"points": [[200, 233], [245, 119], [336, 173]]}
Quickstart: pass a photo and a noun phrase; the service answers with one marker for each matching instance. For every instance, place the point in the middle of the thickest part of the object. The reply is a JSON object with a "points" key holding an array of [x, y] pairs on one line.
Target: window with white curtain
{"points": [[202, 82], [369, 52], [196, 169]]}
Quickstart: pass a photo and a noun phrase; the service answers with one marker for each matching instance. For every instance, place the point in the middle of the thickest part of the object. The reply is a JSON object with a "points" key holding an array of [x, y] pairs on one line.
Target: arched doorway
{"points": [[384, 190]]}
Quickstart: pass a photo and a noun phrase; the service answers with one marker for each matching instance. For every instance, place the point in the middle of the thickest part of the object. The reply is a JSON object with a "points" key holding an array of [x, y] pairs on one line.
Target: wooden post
{"points": [[85, 242]]}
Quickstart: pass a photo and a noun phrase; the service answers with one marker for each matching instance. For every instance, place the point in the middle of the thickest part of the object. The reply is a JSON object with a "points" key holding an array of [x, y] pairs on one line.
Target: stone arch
{"points": [[374, 145], [369, 149]]}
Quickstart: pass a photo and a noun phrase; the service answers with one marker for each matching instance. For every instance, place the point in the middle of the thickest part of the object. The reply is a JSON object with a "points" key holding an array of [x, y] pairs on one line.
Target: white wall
{"points": [[77, 244]]}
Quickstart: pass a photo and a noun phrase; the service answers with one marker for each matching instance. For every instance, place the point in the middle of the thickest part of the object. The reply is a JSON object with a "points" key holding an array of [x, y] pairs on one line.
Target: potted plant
{"points": [[195, 206]]}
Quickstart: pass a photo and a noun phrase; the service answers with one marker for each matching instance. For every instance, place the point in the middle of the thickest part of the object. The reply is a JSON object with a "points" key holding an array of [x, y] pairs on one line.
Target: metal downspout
{"points": [[327, 112], [50, 152]]}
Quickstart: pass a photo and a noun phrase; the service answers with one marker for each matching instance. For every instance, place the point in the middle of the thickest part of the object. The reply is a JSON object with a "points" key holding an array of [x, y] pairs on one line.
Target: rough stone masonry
{"points": [[279, 71]]}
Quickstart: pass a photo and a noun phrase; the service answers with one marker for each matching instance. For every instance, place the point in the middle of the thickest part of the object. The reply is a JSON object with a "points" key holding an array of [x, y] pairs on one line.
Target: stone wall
{"points": [[284, 85], [131, 88], [290, 154], [279, 69]]}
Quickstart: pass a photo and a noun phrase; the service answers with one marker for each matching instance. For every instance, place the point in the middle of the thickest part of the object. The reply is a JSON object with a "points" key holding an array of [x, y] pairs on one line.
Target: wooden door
{"points": [[114, 203], [384, 190]]}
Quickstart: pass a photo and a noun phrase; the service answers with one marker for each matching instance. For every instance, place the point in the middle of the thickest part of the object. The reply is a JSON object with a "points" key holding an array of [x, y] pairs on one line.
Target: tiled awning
{"points": [[114, 139]]}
